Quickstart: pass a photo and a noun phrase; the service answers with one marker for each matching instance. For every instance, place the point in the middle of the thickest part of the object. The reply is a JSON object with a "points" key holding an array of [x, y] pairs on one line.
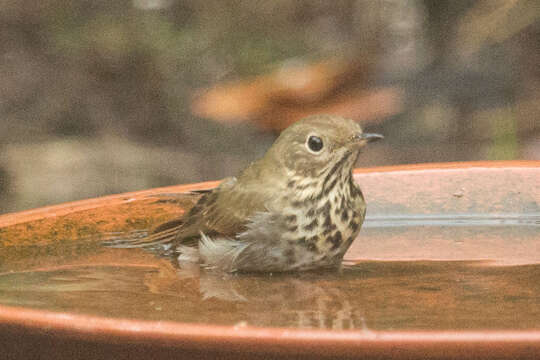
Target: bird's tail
{"points": [[163, 236]]}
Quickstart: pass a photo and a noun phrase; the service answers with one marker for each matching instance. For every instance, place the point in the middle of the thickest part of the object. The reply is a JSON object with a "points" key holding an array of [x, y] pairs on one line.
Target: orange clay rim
{"points": [[87, 204], [465, 344]]}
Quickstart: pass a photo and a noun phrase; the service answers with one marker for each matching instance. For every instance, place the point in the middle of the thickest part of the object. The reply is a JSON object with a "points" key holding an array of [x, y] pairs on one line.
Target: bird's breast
{"points": [[322, 216]]}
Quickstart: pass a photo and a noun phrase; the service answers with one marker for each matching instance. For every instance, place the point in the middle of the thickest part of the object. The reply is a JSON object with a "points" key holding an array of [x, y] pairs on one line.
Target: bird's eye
{"points": [[315, 143]]}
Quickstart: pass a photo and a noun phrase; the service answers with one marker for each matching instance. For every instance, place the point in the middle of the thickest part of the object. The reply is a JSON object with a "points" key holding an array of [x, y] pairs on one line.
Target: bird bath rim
{"points": [[256, 340], [86, 204]]}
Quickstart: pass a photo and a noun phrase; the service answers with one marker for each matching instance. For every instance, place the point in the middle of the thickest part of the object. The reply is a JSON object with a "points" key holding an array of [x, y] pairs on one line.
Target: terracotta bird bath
{"points": [[446, 266]]}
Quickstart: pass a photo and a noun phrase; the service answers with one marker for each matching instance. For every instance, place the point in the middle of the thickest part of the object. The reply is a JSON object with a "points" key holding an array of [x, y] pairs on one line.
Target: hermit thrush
{"points": [[296, 208]]}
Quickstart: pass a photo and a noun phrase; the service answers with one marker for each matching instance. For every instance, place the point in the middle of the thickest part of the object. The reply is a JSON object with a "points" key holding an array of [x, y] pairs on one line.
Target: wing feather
{"points": [[224, 211]]}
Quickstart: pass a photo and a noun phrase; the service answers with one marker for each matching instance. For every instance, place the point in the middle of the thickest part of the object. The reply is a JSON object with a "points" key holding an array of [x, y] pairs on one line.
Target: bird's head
{"points": [[320, 143]]}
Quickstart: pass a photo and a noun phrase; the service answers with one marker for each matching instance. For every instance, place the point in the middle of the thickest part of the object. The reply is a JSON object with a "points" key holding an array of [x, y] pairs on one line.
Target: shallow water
{"points": [[454, 220], [369, 295], [436, 272]]}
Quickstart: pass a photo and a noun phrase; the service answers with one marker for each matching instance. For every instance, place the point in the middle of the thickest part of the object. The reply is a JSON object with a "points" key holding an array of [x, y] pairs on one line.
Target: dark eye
{"points": [[315, 143]]}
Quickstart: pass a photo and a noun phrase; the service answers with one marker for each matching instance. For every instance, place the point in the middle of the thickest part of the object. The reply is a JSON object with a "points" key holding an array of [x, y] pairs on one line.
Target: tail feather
{"points": [[138, 240]]}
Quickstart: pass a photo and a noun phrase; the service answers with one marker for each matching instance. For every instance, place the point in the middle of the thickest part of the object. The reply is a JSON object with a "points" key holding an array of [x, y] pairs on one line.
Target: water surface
{"points": [[436, 272]]}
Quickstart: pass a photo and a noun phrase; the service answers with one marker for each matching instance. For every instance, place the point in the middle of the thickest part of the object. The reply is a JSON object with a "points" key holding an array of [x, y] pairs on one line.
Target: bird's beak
{"points": [[367, 137]]}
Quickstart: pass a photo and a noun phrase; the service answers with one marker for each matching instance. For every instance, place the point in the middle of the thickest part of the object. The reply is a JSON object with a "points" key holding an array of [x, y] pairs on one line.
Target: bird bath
{"points": [[447, 265]]}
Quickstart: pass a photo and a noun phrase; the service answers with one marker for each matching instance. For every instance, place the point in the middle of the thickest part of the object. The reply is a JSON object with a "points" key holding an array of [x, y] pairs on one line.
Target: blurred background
{"points": [[101, 97]]}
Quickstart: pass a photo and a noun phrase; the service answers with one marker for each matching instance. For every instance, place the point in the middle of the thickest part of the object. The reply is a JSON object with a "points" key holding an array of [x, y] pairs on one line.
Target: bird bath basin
{"points": [[447, 265]]}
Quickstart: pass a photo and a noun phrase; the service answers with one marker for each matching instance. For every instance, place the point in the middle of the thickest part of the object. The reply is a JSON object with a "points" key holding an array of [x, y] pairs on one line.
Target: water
{"points": [[453, 220], [403, 273]]}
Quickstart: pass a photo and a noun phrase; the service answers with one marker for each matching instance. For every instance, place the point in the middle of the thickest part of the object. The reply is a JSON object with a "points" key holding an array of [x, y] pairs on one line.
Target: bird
{"points": [[297, 208]]}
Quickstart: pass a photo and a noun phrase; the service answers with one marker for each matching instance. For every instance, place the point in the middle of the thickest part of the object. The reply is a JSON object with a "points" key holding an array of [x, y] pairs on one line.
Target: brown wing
{"points": [[225, 211], [222, 211], [231, 211]]}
